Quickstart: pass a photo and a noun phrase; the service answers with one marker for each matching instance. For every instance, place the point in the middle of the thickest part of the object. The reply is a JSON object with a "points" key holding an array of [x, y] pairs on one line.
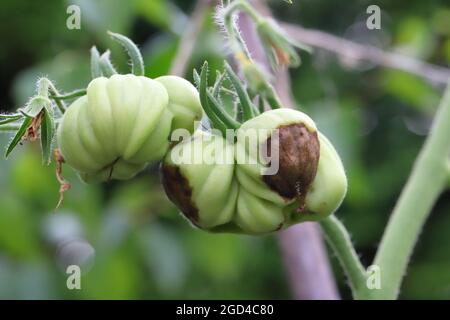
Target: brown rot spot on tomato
{"points": [[299, 152], [179, 191]]}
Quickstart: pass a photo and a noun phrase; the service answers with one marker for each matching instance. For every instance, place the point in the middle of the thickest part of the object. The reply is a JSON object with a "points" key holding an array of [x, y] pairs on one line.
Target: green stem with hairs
{"points": [[339, 239], [70, 95], [45, 86], [239, 46], [237, 43], [428, 179]]}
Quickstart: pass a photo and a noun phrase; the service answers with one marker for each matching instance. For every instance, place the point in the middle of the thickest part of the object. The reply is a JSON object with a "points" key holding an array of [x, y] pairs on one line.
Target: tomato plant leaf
{"points": [[22, 130], [137, 62], [47, 133], [218, 84], [224, 116], [196, 77], [203, 89], [246, 104]]}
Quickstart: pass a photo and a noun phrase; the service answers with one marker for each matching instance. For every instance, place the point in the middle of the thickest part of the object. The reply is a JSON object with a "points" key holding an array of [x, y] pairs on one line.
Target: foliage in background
{"points": [[377, 119]]}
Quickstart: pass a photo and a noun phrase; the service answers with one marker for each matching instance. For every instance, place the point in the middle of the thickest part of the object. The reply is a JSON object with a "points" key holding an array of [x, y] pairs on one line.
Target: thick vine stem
{"points": [[428, 179], [339, 239]]}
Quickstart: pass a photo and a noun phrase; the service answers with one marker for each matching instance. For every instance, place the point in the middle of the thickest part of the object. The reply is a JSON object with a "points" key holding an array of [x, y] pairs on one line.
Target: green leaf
{"points": [[47, 133], [246, 104], [196, 77], [261, 105], [22, 130], [203, 91], [218, 84], [137, 62], [224, 116]]}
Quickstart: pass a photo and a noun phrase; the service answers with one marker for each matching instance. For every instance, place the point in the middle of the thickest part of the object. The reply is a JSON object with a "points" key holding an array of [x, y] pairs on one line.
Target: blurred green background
{"points": [[377, 118]]}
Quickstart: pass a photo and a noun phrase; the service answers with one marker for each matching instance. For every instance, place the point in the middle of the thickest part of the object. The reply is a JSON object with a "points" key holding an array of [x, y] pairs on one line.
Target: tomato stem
{"points": [[426, 182], [70, 95], [339, 239]]}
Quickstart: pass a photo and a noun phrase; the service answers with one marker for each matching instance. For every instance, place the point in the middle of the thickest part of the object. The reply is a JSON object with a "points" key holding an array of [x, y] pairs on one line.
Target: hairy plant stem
{"points": [[239, 47], [427, 180], [339, 239], [45, 86], [238, 44], [69, 95]]}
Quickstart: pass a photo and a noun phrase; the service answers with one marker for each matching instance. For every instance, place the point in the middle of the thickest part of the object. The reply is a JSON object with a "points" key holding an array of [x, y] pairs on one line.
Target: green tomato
{"points": [[329, 186], [275, 195], [121, 124], [310, 182], [184, 102], [198, 176], [238, 195]]}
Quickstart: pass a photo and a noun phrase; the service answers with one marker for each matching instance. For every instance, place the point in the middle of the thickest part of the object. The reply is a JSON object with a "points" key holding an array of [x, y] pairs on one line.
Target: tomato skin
{"points": [[257, 201], [205, 191], [184, 102], [121, 124], [320, 198], [329, 186], [208, 192]]}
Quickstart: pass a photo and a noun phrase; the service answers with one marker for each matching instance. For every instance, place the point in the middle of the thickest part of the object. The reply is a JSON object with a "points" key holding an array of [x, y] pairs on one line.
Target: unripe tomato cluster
{"points": [[236, 196], [125, 121], [276, 170]]}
